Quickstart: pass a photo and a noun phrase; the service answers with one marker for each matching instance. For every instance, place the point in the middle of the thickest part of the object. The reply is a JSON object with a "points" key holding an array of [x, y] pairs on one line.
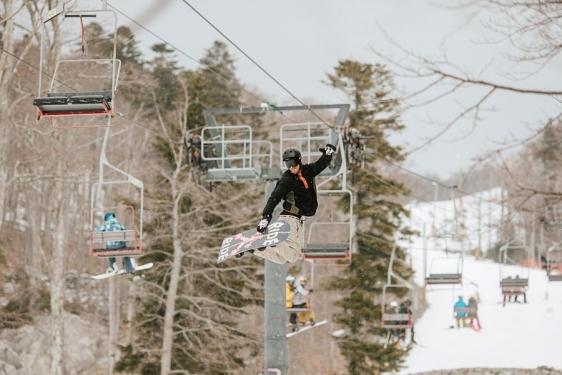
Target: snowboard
{"points": [[122, 272], [252, 239], [306, 328]]}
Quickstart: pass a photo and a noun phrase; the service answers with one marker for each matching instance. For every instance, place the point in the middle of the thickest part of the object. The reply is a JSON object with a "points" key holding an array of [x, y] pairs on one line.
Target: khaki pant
{"points": [[288, 250]]}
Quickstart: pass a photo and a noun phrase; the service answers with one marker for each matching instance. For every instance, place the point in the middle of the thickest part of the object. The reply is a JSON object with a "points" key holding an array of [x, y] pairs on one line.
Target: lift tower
{"points": [[234, 158]]}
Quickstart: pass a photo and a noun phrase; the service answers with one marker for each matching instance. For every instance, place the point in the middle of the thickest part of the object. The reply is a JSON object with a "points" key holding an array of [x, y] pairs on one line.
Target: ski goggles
{"points": [[291, 162]]}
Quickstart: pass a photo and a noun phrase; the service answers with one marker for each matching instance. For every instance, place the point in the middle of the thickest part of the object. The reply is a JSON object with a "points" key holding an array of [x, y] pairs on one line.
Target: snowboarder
{"points": [[300, 300], [460, 316], [298, 190], [111, 224]]}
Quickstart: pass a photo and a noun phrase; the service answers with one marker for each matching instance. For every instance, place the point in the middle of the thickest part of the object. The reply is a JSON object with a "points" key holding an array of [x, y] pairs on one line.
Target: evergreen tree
{"points": [[378, 217]]}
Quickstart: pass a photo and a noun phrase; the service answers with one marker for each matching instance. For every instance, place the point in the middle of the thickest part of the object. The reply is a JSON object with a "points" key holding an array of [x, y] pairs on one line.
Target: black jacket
{"points": [[291, 189]]}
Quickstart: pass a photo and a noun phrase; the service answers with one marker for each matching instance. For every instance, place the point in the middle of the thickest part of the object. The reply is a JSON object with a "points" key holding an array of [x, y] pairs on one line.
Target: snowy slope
{"points": [[517, 335]]}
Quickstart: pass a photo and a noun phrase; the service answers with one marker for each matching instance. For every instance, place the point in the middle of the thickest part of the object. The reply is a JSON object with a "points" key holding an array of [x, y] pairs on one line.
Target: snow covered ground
{"points": [[516, 336]]}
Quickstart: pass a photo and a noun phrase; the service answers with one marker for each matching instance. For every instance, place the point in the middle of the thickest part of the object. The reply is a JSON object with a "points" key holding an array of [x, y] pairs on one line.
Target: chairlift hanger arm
{"points": [[391, 273]]}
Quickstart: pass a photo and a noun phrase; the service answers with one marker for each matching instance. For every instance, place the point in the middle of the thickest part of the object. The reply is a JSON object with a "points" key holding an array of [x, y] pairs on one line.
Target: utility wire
{"points": [[256, 64], [189, 57]]}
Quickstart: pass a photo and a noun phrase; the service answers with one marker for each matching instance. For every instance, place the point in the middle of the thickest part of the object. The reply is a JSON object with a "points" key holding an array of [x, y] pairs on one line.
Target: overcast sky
{"points": [[298, 41]]}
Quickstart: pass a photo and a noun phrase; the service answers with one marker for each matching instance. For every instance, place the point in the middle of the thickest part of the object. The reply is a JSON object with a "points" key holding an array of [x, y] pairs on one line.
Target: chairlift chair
{"points": [[442, 278], [438, 277], [327, 252], [554, 262], [99, 240], [309, 305], [553, 211], [513, 286], [64, 100], [133, 237], [394, 320]]}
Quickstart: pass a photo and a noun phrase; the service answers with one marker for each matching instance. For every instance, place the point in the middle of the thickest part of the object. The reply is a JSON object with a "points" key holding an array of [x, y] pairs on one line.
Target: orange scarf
{"points": [[302, 179]]}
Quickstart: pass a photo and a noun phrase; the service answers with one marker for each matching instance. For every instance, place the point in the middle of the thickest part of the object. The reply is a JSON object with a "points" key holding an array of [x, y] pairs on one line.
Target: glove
{"points": [[264, 222], [328, 150]]}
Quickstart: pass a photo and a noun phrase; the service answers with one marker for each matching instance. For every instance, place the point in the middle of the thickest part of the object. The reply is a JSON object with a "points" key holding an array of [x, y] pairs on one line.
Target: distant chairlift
{"points": [[517, 284], [554, 263], [393, 320], [66, 99], [436, 274], [132, 236]]}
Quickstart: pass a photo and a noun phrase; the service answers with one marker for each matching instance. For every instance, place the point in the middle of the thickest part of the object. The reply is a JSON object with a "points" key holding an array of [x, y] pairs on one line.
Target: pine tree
{"points": [[378, 217]]}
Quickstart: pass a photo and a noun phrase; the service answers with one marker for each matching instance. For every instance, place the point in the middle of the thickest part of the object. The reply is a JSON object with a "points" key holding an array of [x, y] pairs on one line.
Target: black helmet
{"points": [[292, 157]]}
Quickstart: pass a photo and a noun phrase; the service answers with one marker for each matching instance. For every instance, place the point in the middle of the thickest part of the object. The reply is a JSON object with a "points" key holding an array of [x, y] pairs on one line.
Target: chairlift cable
{"points": [[258, 65], [429, 179], [189, 57]]}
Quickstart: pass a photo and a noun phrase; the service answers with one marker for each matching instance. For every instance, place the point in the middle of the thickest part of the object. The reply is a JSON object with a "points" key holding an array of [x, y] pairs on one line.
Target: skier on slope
{"points": [[298, 190], [111, 224]]}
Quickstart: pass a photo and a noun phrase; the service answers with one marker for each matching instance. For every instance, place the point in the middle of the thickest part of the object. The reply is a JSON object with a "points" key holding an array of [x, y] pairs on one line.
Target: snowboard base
{"points": [[276, 233]]}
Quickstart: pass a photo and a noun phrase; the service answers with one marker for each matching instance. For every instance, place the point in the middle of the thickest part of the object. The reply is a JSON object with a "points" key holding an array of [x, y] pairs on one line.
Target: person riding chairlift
{"points": [[300, 300], [110, 224]]}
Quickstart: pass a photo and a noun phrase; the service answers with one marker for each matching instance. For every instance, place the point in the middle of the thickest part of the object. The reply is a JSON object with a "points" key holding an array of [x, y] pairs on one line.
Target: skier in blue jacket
{"points": [[111, 224], [460, 316]]}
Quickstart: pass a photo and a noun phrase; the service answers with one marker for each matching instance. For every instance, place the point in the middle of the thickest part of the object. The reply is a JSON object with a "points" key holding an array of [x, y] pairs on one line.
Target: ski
{"points": [[305, 328], [122, 272]]}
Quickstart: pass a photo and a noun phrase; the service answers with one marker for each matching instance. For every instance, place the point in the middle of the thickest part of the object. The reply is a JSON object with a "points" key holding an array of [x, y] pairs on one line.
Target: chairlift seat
{"points": [[470, 312], [124, 251], [122, 235], [115, 236], [554, 277], [76, 103], [326, 251], [298, 309], [232, 174], [514, 283], [400, 320], [444, 278]]}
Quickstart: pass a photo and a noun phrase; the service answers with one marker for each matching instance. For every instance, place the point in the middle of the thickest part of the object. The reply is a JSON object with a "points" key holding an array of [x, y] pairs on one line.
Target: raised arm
{"points": [[322, 163]]}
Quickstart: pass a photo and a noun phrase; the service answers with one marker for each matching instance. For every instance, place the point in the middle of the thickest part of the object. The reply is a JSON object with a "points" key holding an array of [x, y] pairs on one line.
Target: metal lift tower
{"points": [[234, 159]]}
